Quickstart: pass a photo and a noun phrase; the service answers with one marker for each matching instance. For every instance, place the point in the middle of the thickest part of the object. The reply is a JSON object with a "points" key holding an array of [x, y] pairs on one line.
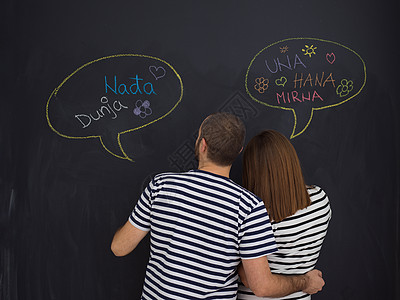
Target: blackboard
{"points": [[66, 186]]}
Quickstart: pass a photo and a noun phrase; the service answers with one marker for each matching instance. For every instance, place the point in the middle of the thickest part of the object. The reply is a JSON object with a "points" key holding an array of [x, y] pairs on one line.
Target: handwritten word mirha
{"points": [[104, 110], [133, 88], [288, 65], [294, 96], [318, 80]]}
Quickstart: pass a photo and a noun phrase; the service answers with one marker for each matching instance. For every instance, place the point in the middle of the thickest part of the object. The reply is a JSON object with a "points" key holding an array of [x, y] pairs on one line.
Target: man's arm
{"points": [[126, 239], [265, 284]]}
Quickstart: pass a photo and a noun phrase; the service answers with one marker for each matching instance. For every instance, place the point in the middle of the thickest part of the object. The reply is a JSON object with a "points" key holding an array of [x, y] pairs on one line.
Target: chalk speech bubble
{"points": [[114, 95], [304, 75]]}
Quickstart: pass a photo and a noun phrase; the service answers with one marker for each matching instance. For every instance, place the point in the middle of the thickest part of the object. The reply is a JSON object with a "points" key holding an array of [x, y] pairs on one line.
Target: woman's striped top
{"points": [[299, 240], [201, 226]]}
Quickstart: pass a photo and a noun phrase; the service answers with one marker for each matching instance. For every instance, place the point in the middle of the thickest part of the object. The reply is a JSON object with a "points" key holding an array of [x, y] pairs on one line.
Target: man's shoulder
{"points": [[211, 178], [171, 175], [249, 199]]}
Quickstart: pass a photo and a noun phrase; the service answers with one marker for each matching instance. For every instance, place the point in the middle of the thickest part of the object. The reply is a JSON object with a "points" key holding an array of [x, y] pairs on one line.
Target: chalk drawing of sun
{"points": [[309, 50]]}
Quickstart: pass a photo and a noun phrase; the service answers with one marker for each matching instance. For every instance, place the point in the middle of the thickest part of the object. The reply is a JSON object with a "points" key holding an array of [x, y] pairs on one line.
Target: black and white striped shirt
{"points": [[201, 225], [299, 240]]}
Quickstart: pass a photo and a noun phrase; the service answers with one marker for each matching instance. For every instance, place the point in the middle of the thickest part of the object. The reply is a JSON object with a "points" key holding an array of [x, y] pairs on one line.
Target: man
{"points": [[203, 225]]}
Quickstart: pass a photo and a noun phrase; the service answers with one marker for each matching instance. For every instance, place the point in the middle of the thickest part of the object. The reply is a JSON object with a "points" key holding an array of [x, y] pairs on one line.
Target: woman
{"points": [[299, 214]]}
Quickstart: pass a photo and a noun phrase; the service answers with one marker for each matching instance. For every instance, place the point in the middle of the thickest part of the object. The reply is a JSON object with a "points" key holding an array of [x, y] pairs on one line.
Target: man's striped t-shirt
{"points": [[299, 240], [201, 226]]}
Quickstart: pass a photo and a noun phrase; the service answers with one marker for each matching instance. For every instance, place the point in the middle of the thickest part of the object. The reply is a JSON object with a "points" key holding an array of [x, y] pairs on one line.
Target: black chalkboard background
{"points": [[62, 199]]}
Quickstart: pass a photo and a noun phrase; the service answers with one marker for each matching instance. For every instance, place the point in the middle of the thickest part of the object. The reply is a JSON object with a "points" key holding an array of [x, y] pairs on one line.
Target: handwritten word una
{"points": [[133, 88], [279, 64], [318, 80], [104, 110], [295, 97]]}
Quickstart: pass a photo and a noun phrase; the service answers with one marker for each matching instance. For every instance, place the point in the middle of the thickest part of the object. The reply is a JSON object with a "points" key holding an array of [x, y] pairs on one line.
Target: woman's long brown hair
{"points": [[272, 171]]}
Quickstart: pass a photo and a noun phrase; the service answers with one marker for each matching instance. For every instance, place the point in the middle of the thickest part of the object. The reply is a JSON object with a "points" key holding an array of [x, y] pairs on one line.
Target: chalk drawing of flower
{"points": [[142, 109], [261, 84], [345, 87]]}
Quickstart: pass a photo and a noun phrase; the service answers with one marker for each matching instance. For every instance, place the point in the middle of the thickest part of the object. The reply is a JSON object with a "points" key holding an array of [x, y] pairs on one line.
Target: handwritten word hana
{"points": [[318, 80], [134, 88], [117, 106]]}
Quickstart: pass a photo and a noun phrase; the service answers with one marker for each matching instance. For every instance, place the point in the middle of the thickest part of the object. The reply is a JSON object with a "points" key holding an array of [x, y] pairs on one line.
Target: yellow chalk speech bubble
{"points": [[110, 96], [304, 75]]}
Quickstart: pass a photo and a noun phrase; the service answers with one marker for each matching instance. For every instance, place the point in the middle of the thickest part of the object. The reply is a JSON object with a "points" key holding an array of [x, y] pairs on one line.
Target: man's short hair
{"points": [[224, 134]]}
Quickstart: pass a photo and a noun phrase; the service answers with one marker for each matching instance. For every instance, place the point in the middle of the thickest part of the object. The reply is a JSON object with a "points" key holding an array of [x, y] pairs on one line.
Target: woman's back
{"points": [[299, 240]]}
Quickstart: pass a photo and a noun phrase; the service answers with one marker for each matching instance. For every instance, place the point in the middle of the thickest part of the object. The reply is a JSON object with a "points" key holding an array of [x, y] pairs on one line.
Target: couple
{"points": [[206, 229]]}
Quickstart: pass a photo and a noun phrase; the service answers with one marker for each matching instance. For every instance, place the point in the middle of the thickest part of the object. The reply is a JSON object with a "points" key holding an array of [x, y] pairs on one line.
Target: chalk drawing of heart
{"points": [[281, 81], [157, 72], [330, 58]]}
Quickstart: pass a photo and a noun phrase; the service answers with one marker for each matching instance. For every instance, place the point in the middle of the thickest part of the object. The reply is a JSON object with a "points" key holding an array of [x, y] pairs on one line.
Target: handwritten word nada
{"points": [[303, 75], [137, 87], [112, 96]]}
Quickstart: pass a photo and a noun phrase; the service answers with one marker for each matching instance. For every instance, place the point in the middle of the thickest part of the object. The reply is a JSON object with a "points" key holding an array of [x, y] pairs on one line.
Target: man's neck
{"points": [[216, 169]]}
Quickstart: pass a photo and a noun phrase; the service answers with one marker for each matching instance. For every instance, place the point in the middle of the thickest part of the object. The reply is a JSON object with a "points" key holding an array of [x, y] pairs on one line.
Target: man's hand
{"points": [[314, 282]]}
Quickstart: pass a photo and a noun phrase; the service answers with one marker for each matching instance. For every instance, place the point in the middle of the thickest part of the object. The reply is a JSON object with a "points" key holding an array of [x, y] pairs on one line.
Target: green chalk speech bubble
{"points": [[111, 96], [304, 75]]}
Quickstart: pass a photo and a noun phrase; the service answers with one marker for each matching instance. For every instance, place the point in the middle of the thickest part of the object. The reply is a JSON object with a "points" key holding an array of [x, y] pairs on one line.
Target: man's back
{"points": [[201, 225]]}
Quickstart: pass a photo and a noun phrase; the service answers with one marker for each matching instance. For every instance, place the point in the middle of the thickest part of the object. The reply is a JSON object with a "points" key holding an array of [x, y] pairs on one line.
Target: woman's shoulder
{"points": [[314, 189], [317, 194]]}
